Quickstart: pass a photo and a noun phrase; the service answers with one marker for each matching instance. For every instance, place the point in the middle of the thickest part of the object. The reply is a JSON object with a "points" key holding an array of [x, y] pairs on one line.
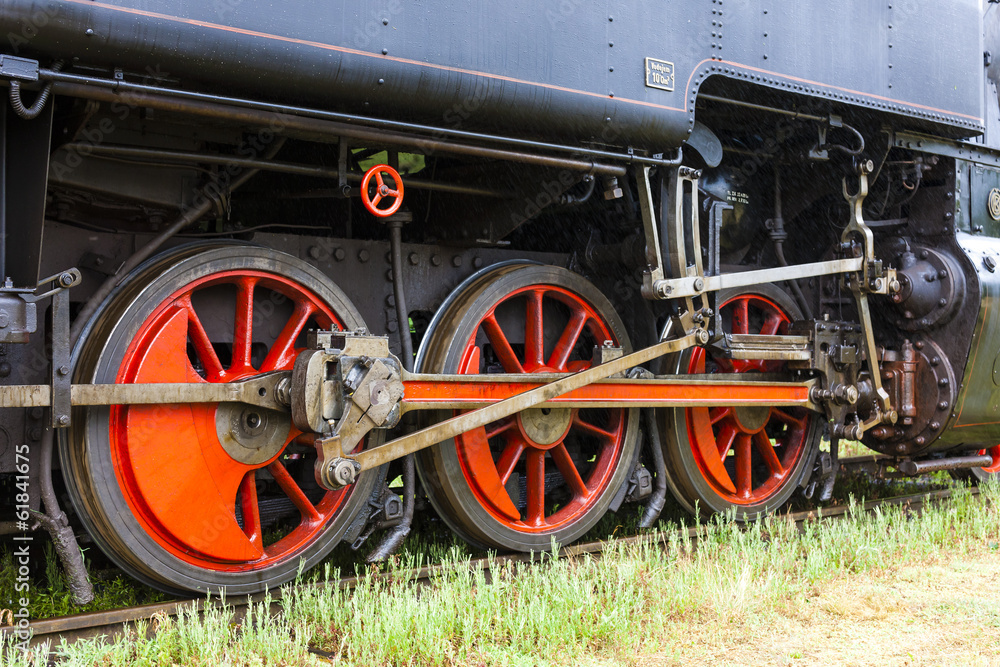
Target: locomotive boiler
{"points": [[273, 273]]}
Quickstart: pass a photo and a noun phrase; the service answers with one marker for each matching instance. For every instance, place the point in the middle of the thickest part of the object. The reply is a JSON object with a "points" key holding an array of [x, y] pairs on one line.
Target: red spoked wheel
{"points": [[375, 191], [545, 473], [206, 496], [747, 459]]}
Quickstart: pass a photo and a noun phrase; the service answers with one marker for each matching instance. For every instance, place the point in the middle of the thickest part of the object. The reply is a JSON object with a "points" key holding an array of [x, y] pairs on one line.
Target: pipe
{"points": [[908, 467], [391, 542], [396, 536], [67, 83], [56, 523], [655, 504], [317, 128], [778, 236], [182, 157], [209, 201]]}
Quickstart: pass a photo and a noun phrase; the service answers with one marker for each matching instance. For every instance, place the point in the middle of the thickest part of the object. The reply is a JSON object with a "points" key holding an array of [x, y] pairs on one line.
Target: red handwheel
{"points": [[382, 191]]}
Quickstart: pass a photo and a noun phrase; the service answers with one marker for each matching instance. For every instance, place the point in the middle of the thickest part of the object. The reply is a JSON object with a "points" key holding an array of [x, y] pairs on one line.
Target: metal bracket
{"points": [[873, 278], [23, 69]]}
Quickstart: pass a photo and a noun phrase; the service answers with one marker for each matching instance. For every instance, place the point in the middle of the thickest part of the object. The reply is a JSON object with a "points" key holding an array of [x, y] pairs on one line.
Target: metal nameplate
{"points": [[659, 74]]}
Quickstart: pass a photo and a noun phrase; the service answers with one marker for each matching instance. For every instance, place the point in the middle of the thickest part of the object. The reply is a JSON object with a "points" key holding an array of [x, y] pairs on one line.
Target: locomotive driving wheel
{"points": [[206, 496], [746, 459], [544, 473]]}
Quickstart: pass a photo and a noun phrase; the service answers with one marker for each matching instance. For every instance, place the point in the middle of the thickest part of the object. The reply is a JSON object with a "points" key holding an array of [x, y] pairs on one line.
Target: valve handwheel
{"points": [[382, 192]]}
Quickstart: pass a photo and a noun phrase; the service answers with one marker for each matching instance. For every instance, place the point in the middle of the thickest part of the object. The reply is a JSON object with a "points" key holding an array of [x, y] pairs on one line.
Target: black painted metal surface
{"points": [[621, 75]]}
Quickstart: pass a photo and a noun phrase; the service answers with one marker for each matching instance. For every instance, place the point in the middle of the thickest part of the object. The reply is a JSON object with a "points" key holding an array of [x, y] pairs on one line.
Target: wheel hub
{"points": [[751, 418], [249, 434], [544, 427]]}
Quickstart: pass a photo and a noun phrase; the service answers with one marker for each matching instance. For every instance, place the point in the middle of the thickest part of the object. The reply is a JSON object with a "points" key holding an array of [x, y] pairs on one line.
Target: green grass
{"points": [[49, 590], [561, 612]]}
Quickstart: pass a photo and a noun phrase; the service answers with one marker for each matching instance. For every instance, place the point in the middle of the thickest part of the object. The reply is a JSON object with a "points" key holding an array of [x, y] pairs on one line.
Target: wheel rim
{"points": [[567, 456], [993, 468], [199, 503], [747, 455]]}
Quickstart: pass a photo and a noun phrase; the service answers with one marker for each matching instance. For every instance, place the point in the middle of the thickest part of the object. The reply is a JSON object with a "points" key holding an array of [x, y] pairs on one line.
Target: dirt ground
{"points": [[937, 614]]}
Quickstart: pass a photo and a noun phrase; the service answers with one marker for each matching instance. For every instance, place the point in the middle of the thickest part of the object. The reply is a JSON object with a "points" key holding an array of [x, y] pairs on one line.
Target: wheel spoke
{"points": [[501, 346], [294, 493], [771, 325], [591, 429], [251, 510], [741, 316], [744, 467], [569, 472], [567, 341], [378, 179], [243, 334], [536, 487], [766, 450], [501, 427], [727, 436], [534, 333], [282, 351], [788, 418], [201, 343], [511, 454], [716, 414]]}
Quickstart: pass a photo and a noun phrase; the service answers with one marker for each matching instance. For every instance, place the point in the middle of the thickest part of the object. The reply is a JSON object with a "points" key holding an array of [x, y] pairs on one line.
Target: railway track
{"points": [[113, 622]]}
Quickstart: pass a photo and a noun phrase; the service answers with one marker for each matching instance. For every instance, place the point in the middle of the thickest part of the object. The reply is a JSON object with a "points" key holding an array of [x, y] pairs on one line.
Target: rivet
{"points": [[385, 52], [385, 21], [390, 301], [339, 254], [435, 260], [477, 262], [381, 81], [456, 261], [315, 252], [414, 258], [388, 275]]}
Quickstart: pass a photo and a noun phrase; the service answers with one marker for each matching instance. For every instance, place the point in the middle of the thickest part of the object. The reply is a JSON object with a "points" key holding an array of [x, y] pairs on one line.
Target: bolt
{"points": [[315, 252], [456, 261], [942, 301], [943, 382], [435, 260], [943, 405], [363, 255], [35, 413], [63, 370], [391, 325], [414, 258], [477, 262], [942, 274], [990, 263], [388, 275], [339, 254], [699, 284], [4, 319], [935, 361], [35, 433], [935, 426], [390, 301], [920, 440], [63, 420], [919, 345]]}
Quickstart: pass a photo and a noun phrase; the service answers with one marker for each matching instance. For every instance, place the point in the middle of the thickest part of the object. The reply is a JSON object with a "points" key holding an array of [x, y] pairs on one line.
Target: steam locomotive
{"points": [[275, 272]]}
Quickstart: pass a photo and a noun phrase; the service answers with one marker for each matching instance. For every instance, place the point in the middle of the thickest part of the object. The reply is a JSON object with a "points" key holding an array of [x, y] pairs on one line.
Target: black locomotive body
{"points": [[261, 259]]}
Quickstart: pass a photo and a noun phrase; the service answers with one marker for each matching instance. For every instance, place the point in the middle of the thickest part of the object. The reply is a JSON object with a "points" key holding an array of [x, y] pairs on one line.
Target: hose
{"points": [[655, 504], [28, 113], [396, 536]]}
